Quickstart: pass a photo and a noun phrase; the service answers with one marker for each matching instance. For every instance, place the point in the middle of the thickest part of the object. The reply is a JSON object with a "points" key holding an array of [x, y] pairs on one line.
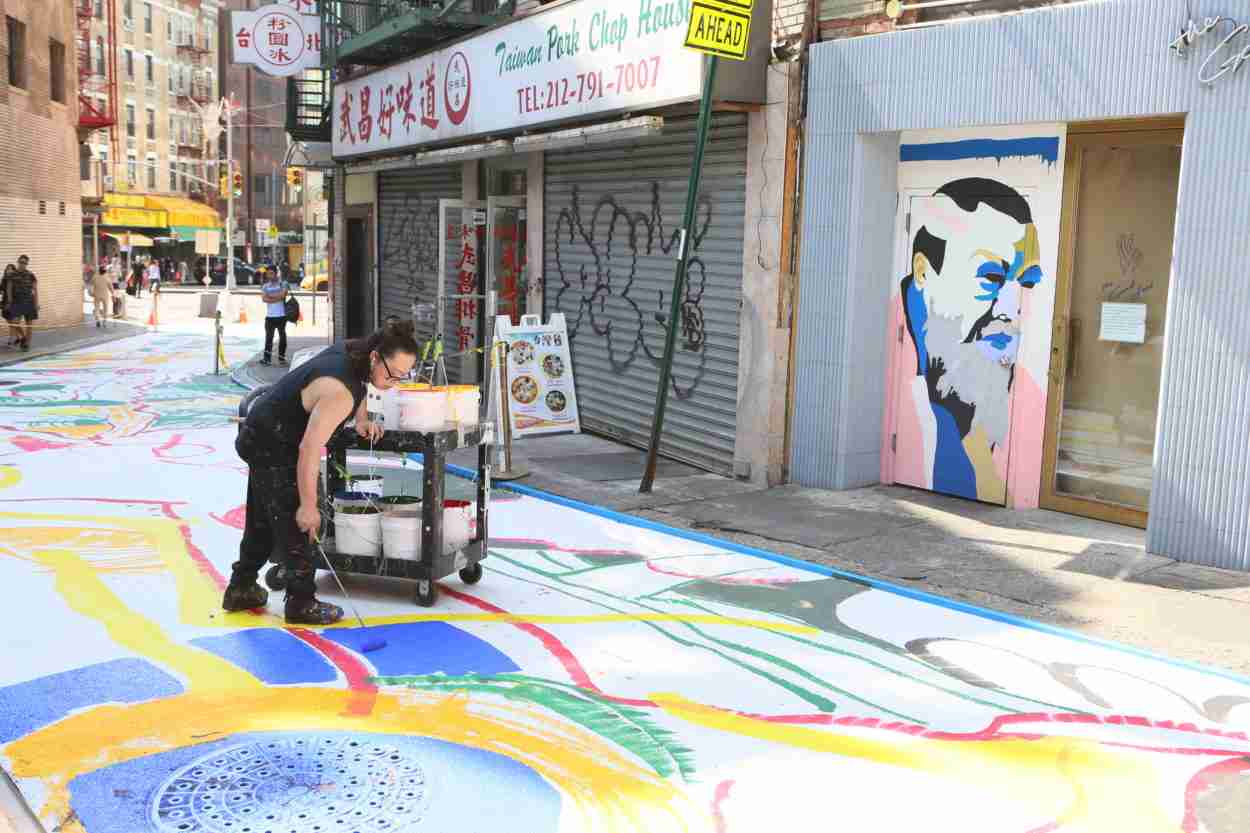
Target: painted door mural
{"points": [[971, 254]]}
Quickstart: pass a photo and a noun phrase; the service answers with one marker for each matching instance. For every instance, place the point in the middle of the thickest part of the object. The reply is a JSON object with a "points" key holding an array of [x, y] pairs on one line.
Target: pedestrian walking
{"points": [[282, 439], [23, 301], [135, 282], [119, 292], [102, 296], [273, 292], [153, 277], [4, 302]]}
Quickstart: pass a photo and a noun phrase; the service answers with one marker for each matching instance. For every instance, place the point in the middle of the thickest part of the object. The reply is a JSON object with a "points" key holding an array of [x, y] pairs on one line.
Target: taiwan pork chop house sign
{"points": [[280, 39], [573, 61]]}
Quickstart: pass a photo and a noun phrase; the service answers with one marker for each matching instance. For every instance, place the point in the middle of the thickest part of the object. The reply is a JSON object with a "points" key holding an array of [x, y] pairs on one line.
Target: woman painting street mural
{"points": [[282, 439], [975, 249]]}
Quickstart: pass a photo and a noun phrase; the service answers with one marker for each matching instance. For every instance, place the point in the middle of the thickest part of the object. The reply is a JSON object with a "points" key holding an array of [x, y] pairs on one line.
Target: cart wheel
{"points": [[427, 593], [471, 574], [275, 577]]}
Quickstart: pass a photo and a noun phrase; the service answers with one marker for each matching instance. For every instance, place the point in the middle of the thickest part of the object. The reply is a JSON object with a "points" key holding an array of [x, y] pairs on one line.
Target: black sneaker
{"points": [[281, 361], [312, 612], [247, 597], [265, 362]]}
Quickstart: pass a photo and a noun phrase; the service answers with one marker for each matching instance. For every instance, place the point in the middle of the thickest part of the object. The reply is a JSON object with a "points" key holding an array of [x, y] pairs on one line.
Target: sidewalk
{"points": [[1086, 576], [60, 340]]}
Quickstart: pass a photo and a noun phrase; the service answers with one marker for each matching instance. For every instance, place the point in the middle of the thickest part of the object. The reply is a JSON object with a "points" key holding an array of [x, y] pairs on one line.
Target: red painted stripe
{"points": [[718, 798], [355, 671], [1202, 781]]}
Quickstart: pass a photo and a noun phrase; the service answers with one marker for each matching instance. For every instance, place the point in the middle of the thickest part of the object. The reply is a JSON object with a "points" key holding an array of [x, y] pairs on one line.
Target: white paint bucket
{"points": [[465, 400], [346, 499], [422, 408], [358, 534], [365, 484], [458, 523], [401, 536]]}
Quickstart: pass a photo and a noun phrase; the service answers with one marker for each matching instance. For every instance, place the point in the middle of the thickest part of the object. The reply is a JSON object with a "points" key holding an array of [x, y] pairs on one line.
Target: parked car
{"points": [[244, 273], [318, 279]]}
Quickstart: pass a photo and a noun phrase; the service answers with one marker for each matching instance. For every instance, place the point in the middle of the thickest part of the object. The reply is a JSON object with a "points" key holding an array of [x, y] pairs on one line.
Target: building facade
{"points": [[260, 151], [565, 173], [153, 174], [40, 212], [1021, 279]]}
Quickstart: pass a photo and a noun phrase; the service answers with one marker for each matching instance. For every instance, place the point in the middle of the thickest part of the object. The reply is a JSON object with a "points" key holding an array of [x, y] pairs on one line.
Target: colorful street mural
{"points": [[604, 676], [964, 401]]}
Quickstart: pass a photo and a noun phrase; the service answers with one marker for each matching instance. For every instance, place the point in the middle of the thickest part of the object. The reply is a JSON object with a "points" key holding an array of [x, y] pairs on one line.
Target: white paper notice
{"points": [[1123, 322]]}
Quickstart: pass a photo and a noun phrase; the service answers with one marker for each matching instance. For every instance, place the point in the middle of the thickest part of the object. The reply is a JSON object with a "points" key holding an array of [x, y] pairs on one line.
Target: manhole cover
{"points": [[303, 783]]}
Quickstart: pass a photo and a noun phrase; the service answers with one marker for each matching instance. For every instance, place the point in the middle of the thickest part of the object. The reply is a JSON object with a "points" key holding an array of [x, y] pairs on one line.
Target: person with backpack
{"points": [[274, 292]]}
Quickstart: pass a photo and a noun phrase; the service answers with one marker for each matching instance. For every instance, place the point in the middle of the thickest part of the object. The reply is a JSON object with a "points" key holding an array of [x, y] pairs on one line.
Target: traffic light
{"points": [[294, 177], [225, 185], [238, 184]]}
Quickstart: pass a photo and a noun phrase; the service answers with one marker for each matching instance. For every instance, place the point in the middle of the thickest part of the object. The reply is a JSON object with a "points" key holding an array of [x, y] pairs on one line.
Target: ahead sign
{"points": [[720, 27]]}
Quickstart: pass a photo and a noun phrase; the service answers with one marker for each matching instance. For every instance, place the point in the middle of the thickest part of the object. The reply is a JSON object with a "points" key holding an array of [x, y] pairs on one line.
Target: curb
{"points": [[92, 341]]}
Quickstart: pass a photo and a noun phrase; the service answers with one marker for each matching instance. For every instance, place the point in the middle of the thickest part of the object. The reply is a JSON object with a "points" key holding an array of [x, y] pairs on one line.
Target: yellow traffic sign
{"points": [[273, 232], [720, 27]]}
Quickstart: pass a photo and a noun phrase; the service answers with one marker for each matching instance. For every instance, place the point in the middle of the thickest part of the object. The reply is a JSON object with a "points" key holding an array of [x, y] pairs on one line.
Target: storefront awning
{"points": [[131, 210], [183, 212], [132, 239]]}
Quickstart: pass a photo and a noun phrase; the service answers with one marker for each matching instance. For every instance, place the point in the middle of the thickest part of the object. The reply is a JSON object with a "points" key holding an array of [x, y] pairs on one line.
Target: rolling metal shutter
{"points": [[409, 237], [612, 214]]}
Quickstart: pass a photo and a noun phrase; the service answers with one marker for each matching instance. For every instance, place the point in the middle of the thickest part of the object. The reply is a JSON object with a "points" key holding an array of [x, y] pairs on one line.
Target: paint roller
{"points": [[367, 644]]}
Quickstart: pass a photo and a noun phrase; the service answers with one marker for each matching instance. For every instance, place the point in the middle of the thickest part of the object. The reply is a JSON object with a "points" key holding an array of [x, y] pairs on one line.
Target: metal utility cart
{"points": [[433, 564]]}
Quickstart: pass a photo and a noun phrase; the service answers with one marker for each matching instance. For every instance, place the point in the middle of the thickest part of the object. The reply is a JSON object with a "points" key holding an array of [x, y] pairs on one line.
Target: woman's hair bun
{"points": [[399, 327]]}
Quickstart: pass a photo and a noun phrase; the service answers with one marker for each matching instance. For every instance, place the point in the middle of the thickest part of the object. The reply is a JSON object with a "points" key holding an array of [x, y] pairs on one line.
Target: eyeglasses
{"points": [[390, 374]]}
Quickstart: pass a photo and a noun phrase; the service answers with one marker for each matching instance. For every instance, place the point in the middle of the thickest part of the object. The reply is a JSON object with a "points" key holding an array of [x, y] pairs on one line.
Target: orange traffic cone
{"points": [[242, 314], [152, 317]]}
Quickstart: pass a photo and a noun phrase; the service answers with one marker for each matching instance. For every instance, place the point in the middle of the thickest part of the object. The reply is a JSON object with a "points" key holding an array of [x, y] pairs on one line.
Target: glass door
{"points": [[1115, 263], [507, 229]]}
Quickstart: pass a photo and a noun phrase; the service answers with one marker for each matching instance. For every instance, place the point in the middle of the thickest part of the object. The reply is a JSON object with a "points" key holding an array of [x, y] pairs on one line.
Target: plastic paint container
{"points": [[465, 400], [422, 408]]}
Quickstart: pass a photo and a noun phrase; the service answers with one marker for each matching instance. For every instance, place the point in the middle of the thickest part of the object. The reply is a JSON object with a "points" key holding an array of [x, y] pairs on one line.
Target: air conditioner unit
{"points": [[128, 24], [108, 182]]}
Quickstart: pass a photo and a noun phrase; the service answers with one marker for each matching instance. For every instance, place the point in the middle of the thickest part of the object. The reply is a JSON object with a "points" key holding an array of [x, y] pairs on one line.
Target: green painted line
{"points": [[61, 403]]}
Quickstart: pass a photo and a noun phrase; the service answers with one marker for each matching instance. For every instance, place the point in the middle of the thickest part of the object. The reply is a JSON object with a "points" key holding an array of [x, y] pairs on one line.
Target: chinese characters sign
{"points": [[571, 61], [279, 39]]}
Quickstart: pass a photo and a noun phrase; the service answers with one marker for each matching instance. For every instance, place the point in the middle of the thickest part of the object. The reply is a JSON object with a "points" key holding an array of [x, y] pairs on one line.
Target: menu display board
{"points": [[541, 395]]}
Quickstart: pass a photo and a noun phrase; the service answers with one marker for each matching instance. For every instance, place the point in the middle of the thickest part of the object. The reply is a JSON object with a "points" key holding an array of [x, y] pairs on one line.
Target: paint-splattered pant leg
{"points": [[270, 529]]}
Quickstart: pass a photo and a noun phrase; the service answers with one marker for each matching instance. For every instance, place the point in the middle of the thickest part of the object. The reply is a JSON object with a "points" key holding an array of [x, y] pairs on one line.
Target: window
{"points": [[130, 64], [132, 170], [151, 169], [147, 18], [99, 8], [151, 123], [17, 53], [99, 56], [128, 9], [170, 71], [208, 39], [130, 120], [172, 131], [183, 171], [173, 175], [56, 67], [149, 69], [169, 27]]}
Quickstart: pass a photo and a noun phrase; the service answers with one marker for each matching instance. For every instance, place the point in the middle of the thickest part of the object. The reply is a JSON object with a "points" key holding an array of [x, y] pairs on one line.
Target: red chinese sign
{"points": [[279, 39]]}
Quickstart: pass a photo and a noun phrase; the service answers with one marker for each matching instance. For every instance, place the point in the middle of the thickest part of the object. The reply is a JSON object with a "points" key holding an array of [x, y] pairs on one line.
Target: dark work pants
{"points": [[270, 530], [273, 324]]}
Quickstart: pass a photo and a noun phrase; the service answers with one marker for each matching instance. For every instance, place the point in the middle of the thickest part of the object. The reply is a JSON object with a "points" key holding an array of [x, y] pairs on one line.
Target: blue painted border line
{"points": [[833, 572], [1043, 147]]}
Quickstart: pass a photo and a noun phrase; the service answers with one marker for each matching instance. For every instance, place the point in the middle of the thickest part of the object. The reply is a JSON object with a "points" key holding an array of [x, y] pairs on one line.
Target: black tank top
{"points": [[278, 417]]}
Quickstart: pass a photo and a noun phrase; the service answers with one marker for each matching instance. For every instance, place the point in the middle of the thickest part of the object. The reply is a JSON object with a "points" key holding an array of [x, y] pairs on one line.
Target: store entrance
{"points": [[1115, 262], [507, 218]]}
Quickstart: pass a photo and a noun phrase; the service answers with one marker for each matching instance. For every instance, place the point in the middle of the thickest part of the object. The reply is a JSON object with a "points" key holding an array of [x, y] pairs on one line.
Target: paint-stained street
{"points": [[605, 675]]}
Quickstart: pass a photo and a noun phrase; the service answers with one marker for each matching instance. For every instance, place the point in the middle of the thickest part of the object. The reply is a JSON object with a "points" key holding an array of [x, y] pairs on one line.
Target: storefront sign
{"points": [[280, 39], [573, 61], [542, 398], [1227, 55], [720, 27], [1123, 322]]}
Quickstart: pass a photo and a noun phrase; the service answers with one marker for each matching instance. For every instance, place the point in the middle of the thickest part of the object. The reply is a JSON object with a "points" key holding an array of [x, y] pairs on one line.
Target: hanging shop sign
{"points": [[1228, 52], [720, 27], [542, 398], [280, 39], [573, 61]]}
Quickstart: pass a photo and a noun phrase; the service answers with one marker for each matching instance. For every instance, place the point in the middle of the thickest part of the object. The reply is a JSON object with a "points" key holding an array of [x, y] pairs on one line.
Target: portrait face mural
{"points": [[974, 252]]}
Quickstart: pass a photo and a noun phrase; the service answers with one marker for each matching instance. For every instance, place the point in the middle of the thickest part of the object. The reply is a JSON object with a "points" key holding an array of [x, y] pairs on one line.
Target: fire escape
{"points": [[373, 33], [97, 79]]}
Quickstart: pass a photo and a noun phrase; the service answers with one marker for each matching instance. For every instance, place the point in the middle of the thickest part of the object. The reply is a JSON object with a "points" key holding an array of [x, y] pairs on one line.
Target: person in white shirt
{"points": [[154, 275], [273, 292]]}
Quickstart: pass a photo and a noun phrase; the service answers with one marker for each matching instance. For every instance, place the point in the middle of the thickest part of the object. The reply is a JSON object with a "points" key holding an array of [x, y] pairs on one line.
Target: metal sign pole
{"points": [[685, 244]]}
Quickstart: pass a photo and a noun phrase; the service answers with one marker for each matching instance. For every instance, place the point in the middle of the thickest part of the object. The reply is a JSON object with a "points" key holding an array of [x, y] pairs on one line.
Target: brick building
{"points": [[40, 213]]}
